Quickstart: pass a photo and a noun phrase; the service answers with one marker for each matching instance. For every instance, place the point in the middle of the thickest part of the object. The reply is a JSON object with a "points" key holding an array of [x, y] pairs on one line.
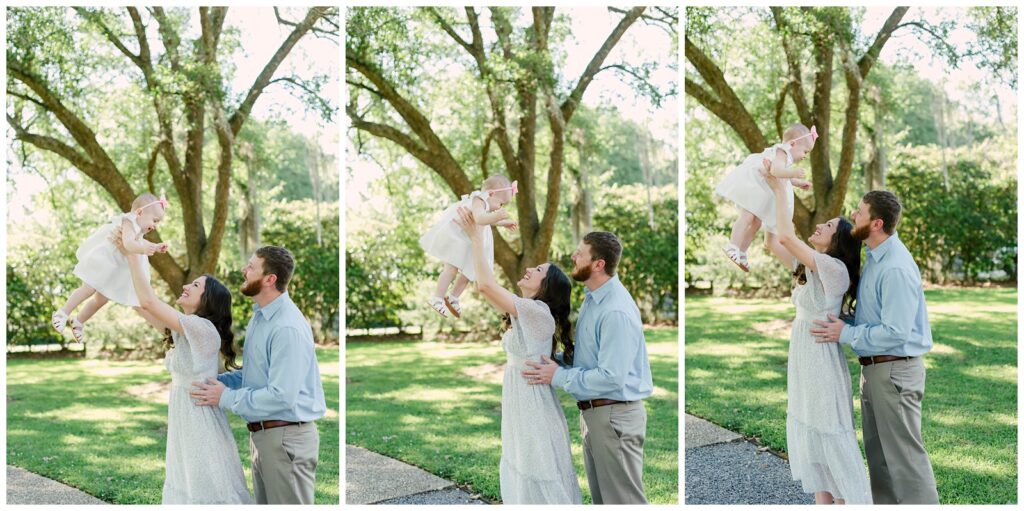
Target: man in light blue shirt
{"points": [[890, 333], [278, 390], [610, 375]]}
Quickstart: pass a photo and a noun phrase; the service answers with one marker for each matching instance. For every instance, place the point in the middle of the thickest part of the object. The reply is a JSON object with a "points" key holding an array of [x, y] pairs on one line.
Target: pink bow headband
{"points": [[162, 201], [813, 134], [514, 188]]}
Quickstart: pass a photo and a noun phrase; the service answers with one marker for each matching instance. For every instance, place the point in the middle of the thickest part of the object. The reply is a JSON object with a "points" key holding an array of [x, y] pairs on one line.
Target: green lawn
{"points": [[736, 377], [101, 426], [438, 406]]}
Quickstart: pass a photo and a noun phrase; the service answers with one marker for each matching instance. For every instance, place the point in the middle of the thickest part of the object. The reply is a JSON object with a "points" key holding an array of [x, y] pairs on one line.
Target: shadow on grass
{"points": [[736, 377]]}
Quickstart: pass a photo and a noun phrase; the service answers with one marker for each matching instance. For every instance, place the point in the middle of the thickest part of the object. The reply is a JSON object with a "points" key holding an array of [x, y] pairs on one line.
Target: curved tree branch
{"points": [[871, 56], [572, 102], [729, 108], [261, 82]]}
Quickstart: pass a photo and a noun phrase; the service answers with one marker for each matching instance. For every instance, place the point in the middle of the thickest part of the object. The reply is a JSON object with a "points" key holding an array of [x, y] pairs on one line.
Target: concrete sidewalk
{"points": [[24, 487], [371, 478], [723, 468]]}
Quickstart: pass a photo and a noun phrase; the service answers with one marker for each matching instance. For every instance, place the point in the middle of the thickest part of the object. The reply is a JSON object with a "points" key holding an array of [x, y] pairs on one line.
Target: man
{"points": [[278, 390], [610, 375], [890, 334]]}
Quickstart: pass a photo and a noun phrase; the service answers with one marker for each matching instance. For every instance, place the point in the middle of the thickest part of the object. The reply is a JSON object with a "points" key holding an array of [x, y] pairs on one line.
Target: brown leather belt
{"points": [[260, 426], [879, 359], [594, 403]]}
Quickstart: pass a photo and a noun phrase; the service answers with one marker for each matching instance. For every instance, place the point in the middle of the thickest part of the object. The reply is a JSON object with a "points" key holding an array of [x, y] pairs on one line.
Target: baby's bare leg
{"points": [[445, 279], [744, 230], [77, 297], [460, 285], [94, 305]]}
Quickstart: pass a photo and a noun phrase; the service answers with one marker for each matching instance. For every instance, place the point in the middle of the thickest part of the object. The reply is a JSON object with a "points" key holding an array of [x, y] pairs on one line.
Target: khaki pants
{"points": [[901, 472], [284, 463], [613, 452]]}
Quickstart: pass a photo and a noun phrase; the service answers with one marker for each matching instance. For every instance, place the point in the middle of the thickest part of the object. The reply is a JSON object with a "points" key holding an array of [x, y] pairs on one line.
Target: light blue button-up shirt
{"points": [[891, 317], [280, 378], [610, 360]]}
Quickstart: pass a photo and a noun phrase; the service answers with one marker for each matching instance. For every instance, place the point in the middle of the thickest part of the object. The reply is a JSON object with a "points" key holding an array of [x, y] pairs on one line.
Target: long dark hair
{"points": [[556, 291], [215, 306], [846, 248]]}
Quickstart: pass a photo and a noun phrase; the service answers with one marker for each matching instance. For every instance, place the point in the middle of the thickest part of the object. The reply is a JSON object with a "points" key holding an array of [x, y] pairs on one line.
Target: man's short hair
{"points": [[277, 261], [885, 206], [604, 245]]}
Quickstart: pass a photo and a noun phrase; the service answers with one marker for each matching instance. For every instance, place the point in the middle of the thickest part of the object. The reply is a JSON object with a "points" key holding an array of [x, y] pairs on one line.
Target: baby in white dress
{"points": [[102, 267], [745, 186], [446, 241]]}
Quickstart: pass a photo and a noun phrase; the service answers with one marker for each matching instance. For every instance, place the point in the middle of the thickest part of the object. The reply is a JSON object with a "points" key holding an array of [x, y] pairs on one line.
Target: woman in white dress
{"points": [[820, 437], [536, 461], [202, 462]]}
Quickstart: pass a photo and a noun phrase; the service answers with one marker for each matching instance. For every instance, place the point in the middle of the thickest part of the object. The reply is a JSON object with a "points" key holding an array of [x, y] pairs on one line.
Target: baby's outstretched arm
{"points": [[137, 245], [780, 169], [482, 217], [803, 184]]}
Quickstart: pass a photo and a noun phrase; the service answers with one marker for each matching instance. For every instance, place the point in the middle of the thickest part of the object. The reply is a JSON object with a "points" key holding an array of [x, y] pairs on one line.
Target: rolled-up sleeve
{"points": [[620, 340], [288, 359], [232, 379]]}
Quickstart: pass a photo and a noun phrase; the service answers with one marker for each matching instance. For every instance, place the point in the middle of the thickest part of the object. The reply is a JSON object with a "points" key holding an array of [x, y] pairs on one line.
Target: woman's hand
{"points": [[468, 224], [773, 182], [115, 238]]}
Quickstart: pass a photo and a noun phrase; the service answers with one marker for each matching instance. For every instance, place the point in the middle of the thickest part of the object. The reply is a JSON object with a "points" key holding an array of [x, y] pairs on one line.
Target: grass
{"points": [[101, 426], [438, 406], [736, 377]]}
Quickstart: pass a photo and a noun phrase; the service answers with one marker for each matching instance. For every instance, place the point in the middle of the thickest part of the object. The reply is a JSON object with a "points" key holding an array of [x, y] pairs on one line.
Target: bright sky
{"points": [[930, 67], [260, 36], [590, 27]]}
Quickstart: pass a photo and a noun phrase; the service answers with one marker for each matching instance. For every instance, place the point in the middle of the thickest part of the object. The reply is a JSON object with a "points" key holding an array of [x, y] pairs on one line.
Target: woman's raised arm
{"points": [[156, 312], [501, 298], [786, 233]]}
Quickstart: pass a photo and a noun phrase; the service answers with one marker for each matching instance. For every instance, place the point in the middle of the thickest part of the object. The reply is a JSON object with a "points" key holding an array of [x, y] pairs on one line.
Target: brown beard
{"points": [[861, 233], [251, 288], [581, 274]]}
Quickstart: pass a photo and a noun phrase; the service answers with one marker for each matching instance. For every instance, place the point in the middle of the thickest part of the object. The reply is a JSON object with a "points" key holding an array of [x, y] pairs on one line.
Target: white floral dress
{"points": [[202, 466], [536, 461], [820, 435]]}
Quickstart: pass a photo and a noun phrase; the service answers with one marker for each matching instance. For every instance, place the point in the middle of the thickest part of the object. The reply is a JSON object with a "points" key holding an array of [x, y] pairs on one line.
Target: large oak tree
{"points": [[185, 81], [829, 37], [515, 72]]}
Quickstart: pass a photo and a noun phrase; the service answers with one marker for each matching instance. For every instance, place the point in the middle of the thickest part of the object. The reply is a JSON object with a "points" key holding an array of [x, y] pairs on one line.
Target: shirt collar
{"points": [[271, 308], [603, 291], [883, 248]]}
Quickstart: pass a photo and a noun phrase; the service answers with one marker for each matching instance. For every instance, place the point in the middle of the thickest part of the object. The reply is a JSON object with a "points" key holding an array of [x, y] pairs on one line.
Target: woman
{"points": [[820, 436], [536, 462], [202, 465]]}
